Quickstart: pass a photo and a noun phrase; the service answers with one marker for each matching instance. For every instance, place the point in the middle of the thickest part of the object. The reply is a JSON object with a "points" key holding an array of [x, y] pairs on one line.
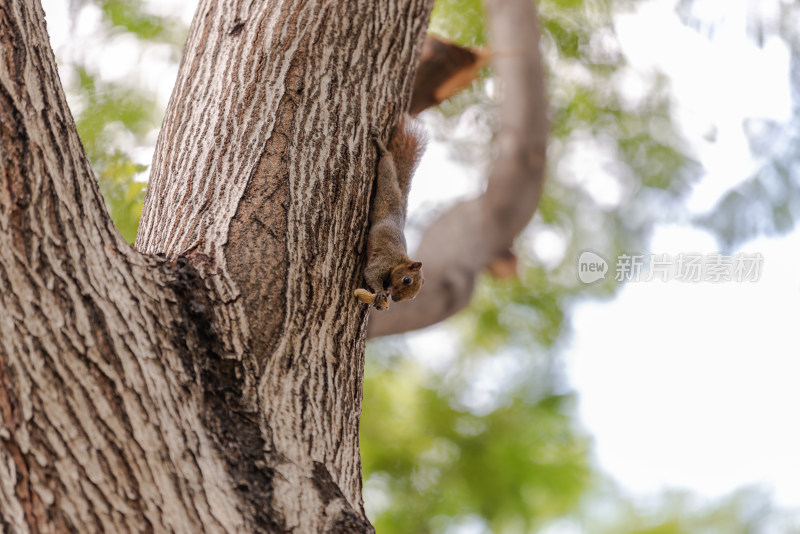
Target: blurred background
{"points": [[550, 405]]}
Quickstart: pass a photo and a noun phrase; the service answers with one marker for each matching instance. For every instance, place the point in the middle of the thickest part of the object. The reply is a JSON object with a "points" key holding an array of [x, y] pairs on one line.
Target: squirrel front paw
{"points": [[380, 300]]}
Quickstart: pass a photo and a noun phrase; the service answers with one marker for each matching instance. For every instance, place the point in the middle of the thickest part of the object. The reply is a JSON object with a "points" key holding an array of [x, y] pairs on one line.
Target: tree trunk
{"points": [[212, 380]]}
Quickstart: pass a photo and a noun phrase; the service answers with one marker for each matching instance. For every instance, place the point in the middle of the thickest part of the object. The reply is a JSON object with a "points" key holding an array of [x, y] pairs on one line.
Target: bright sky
{"points": [[696, 385], [681, 385]]}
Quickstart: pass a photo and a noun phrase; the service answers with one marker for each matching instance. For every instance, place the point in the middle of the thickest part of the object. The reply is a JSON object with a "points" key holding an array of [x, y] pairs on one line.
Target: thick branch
{"points": [[465, 240], [102, 427]]}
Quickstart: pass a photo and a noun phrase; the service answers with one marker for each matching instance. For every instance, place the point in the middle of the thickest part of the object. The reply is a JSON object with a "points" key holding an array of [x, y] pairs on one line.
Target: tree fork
{"points": [[217, 387]]}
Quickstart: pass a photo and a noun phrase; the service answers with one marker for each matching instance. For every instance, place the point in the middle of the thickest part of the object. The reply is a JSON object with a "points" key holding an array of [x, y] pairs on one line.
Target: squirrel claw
{"points": [[381, 301], [376, 138]]}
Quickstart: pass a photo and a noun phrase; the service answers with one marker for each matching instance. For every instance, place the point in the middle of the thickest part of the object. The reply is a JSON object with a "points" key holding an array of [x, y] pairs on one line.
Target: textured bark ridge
{"points": [[210, 382]]}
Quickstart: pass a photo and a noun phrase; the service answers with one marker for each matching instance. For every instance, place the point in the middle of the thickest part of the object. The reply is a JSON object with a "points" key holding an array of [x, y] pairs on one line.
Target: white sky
{"points": [[681, 385], [696, 385]]}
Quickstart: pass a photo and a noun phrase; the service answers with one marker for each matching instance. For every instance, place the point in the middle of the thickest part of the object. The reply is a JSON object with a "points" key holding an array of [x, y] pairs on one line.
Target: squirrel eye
{"points": [[406, 281]]}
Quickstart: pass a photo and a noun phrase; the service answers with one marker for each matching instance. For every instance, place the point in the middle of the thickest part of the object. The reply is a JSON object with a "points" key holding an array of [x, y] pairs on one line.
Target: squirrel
{"points": [[389, 271]]}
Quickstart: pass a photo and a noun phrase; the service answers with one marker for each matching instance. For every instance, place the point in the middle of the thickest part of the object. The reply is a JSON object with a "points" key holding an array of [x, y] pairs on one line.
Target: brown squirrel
{"points": [[389, 271]]}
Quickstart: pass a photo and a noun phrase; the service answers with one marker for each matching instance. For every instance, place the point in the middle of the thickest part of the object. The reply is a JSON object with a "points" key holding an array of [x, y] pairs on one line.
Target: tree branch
{"points": [[100, 420], [464, 241]]}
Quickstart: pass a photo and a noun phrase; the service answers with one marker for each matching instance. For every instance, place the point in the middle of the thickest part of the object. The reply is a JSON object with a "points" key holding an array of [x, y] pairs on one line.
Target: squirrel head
{"points": [[406, 280]]}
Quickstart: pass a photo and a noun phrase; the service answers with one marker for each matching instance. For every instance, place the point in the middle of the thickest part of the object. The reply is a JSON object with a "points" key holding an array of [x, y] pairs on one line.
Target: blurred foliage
{"points": [[115, 118], [481, 436], [459, 20], [110, 111], [428, 461], [768, 202], [130, 16], [524, 312], [749, 510]]}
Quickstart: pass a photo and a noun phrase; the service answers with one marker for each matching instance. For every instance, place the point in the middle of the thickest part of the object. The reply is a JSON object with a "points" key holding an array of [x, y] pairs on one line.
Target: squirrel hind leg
{"points": [[376, 138]]}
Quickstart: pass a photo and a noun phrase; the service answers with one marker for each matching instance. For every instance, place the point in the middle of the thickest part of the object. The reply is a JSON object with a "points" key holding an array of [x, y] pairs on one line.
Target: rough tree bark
{"points": [[217, 386], [209, 381]]}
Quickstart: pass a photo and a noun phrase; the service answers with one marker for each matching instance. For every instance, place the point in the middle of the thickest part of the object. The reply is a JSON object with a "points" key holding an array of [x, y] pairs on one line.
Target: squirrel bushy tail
{"points": [[407, 146]]}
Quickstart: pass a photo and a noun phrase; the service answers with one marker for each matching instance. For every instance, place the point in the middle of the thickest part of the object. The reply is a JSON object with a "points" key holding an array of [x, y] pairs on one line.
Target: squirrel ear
{"points": [[415, 266]]}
